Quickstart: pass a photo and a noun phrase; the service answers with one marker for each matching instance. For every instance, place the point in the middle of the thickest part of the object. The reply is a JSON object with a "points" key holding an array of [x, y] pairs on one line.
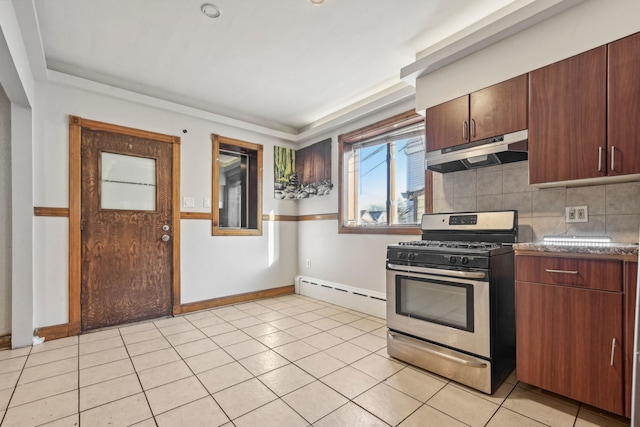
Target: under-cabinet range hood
{"points": [[508, 148]]}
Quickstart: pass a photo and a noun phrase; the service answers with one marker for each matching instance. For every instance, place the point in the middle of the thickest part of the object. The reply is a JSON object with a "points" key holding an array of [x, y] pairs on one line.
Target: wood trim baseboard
{"points": [[234, 299], [269, 217], [318, 217], [195, 215], [45, 211], [5, 342], [53, 332]]}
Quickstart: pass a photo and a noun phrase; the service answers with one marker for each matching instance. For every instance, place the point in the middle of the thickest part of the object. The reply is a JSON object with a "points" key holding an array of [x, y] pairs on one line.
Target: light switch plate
{"points": [[206, 202], [188, 202]]}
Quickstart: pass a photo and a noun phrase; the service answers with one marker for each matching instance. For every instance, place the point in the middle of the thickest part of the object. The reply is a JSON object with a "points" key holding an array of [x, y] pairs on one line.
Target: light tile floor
{"points": [[286, 361]]}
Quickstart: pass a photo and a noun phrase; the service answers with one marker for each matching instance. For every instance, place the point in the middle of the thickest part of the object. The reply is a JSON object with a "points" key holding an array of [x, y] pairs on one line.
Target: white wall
{"points": [[588, 25], [5, 214], [211, 266]]}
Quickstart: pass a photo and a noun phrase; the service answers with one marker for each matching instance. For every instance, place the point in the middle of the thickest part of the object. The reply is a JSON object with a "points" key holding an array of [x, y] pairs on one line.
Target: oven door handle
{"points": [[438, 271], [426, 347]]}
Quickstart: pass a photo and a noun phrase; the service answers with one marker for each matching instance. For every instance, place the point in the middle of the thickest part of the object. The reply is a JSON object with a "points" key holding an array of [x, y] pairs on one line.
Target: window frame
{"points": [[254, 203], [345, 143]]}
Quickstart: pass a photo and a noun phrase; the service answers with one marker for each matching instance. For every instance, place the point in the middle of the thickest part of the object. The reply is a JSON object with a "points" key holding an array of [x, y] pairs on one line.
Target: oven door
{"points": [[446, 310]]}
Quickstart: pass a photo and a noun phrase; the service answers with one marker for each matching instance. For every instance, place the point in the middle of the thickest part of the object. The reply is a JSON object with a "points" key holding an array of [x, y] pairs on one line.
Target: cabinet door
{"points": [[568, 119], [499, 109], [564, 339], [624, 106], [447, 124], [630, 289]]}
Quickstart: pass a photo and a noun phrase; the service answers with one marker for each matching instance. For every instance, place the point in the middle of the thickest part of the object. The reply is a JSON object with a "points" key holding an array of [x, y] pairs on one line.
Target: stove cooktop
{"points": [[437, 244]]}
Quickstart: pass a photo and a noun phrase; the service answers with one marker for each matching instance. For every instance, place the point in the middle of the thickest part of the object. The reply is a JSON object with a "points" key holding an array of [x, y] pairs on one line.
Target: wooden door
{"points": [[564, 342], [624, 106], [126, 267], [447, 124], [568, 119], [499, 109]]}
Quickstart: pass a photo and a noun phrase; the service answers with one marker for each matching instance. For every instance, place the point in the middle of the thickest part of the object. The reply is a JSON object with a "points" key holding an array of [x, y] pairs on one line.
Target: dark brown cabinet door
{"points": [[565, 342], [624, 106], [499, 109], [568, 119], [630, 289], [447, 124]]}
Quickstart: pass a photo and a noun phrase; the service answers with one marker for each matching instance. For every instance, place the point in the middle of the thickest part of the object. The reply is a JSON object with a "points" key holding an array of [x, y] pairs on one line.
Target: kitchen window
{"points": [[236, 187], [382, 179]]}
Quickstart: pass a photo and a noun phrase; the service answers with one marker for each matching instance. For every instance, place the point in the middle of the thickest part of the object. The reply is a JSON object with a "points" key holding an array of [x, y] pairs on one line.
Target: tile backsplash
{"points": [[613, 209]]}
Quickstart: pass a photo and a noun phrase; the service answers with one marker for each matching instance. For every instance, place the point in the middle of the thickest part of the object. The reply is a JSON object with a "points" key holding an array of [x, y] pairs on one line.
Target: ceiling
{"points": [[282, 64]]}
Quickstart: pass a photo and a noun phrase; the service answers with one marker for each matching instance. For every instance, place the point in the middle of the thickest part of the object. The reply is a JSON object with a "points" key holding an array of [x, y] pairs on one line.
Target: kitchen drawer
{"points": [[586, 273]]}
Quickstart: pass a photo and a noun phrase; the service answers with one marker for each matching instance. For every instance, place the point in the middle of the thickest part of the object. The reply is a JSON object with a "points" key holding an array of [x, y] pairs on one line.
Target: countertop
{"points": [[628, 251]]}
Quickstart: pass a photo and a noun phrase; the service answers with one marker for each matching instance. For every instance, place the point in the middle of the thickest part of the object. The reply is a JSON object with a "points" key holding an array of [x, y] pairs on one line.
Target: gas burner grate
{"points": [[452, 244]]}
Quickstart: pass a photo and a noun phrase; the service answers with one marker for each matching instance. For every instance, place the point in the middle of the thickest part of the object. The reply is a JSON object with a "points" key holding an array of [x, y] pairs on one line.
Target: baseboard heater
{"points": [[363, 300]]}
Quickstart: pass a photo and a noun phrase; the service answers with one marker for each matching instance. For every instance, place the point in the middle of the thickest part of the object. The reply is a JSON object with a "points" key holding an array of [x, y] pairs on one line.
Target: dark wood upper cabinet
{"points": [[496, 110], [624, 106], [568, 119]]}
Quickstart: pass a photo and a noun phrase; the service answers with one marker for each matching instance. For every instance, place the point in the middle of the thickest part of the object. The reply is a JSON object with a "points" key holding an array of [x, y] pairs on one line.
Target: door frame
{"points": [[76, 124]]}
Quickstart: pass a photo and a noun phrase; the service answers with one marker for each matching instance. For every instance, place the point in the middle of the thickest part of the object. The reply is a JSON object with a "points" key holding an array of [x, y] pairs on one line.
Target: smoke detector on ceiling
{"points": [[210, 10], [316, 2]]}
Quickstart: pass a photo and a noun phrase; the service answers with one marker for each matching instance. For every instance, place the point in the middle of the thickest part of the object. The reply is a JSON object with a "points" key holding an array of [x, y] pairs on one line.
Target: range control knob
{"points": [[402, 255], [452, 260], [411, 256], [464, 260]]}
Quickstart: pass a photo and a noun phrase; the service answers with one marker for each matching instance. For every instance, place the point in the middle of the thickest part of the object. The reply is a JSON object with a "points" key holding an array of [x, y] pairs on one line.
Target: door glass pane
{"points": [[437, 302], [128, 182], [233, 197]]}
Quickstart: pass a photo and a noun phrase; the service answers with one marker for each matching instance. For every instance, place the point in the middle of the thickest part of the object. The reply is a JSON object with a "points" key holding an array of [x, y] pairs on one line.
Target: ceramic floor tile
{"points": [[5, 396], [345, 317], [243, 398], [155, 358], [295, 350], [108, 391], [48, 356], [260, 330], [328, 311], [47, 370], [141, 336], [497, 397], [308, 317], [377, 366], [164, 374], [95, 359], [319, 364], [350, 415], [205, 361], [347, 352], [380, 332], [194, 348], [175, 394], [258, 310], [463, 406], [197, 315], [230, 313], [285, 323], [292, 311], [224, 376], [366, 325], [44, 388], [416, 384], [325, 324], [52, 345], [201, 413], [349, 382], [506, 418], [246, 322], [108, 371], [99, 335], [323, 341], [9, 380], [261, 363], [150, 422], [140, 327], [177, 328], [218, 329], [70, 421], [185, 337], [314, 401], [539, 407], [123, 412], [271, 316], [426, 416], [273, 414], [142, 347], [592, 417], [286, 379], [210, 320], [303, 331], [387, 403], [276, 339], [170, 321], [42, 411], [230, 338], [100, 345], [369, 342], [311, 306], [245, 349], [12, 354], [346, 332]]}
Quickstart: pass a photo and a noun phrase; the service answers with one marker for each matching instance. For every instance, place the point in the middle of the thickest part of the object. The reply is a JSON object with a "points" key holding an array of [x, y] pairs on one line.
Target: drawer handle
{"points": [[613, 350], [561, 271]]}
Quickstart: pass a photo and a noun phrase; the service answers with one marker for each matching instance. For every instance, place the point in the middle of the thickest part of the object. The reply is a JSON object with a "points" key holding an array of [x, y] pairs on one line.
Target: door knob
{"points": [[165, 227], [165, 238]]}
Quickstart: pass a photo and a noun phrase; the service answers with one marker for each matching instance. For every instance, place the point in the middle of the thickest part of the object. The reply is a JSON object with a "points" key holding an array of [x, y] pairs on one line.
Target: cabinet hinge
{"points": [[81, 224]]}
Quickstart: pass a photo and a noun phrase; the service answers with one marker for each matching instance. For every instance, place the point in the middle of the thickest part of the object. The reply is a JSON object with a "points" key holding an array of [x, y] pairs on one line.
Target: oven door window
{"points": [[435, 301]]}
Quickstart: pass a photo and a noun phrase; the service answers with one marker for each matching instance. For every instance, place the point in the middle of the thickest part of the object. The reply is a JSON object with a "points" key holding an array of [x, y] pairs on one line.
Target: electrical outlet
{"points": [[206, 202], [308, 263], [188, 202], [576, 214]]}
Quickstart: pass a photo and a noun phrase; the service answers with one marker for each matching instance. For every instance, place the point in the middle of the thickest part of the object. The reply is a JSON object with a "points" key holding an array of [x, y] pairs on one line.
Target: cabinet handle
{"points": [[561, 271], [599, 159], [473, 128], [464, 131], [613, 158], [613, 350]]}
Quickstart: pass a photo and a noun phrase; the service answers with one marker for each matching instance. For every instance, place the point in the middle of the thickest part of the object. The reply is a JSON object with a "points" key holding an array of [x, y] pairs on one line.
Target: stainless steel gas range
{"points": [[450, 297]]}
